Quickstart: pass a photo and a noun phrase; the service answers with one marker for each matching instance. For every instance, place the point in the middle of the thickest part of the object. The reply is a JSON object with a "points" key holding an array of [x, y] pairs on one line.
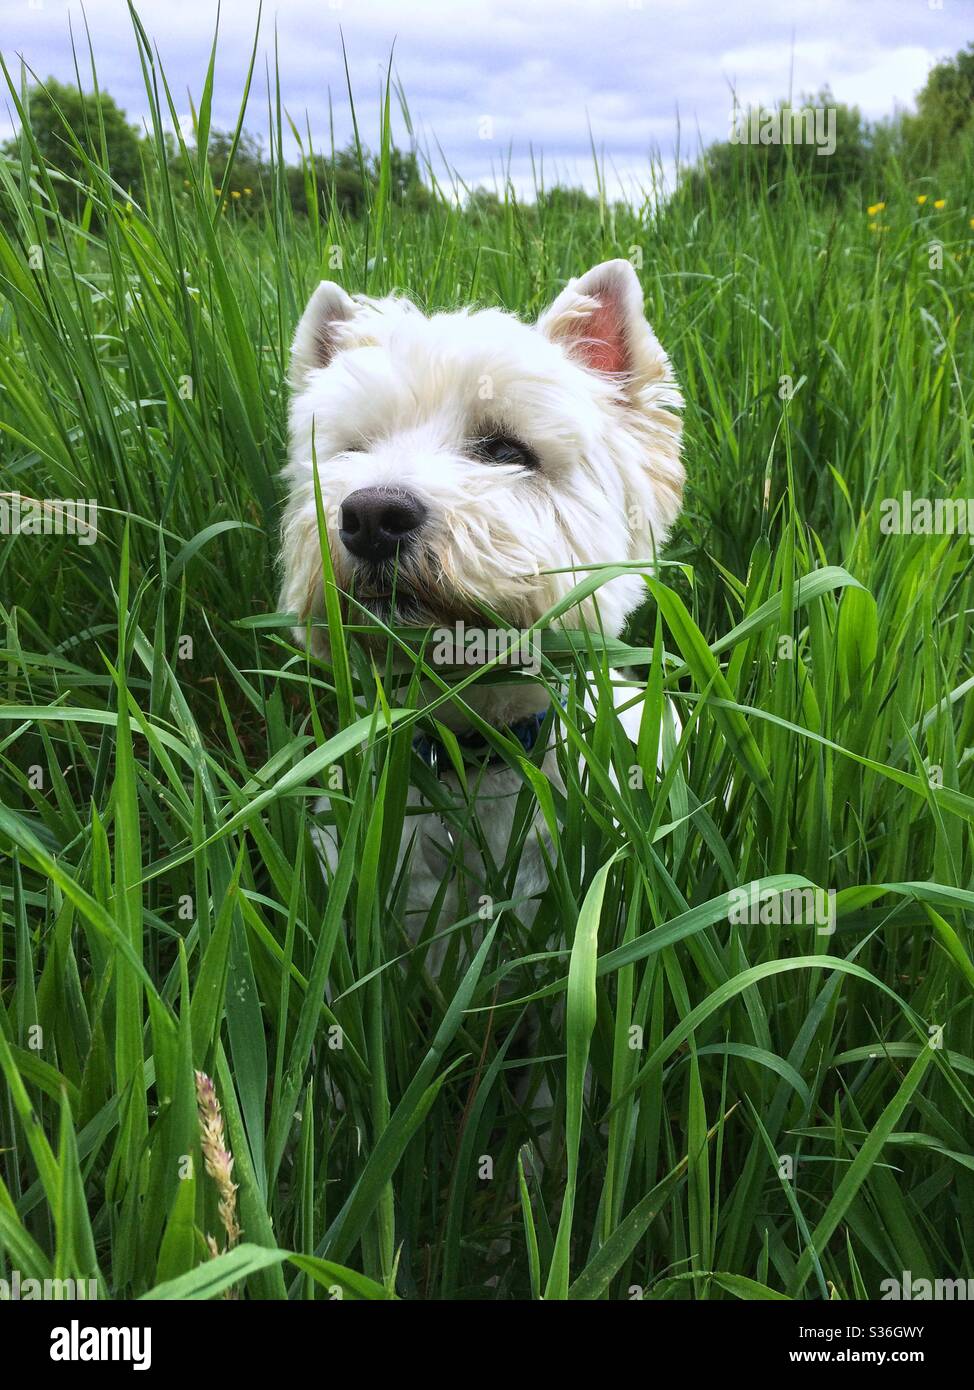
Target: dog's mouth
{"points": [[392, 609], [400, 597]]}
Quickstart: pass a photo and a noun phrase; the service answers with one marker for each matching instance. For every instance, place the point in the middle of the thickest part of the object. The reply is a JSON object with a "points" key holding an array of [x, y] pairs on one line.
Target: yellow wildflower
{"points": [[921, 198], [248, 191], [876, 207], [218, 192], [234, 193], [940, 203]]}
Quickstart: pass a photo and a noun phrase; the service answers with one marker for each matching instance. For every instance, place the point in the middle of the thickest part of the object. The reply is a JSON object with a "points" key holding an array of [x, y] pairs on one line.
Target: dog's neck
{"points": [[502, 706], [516, 710], [474, 748]]}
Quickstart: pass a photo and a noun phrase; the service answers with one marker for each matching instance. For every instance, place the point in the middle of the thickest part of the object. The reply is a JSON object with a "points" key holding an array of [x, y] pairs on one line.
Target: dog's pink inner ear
{"points": [[595, 329], [598, 320], [600, 338]]}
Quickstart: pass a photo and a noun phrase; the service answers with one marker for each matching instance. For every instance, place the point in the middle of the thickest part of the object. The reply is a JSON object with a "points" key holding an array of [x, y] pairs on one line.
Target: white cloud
{"points": [[546, 73], [892, 79]]}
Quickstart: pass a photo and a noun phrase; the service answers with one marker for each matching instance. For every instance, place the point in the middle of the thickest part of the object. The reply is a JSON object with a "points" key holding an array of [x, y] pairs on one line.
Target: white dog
{"points": [[468, 460]]}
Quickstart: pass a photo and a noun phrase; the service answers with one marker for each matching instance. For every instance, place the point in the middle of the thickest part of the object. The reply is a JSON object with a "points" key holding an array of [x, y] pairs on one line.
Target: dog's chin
{"points": [[391, 610], [403, 602]]}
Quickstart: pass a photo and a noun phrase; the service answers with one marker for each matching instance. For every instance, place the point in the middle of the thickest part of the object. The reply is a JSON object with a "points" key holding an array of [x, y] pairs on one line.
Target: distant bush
{"points": [[57, 112], [937, 135], [61, 115], [942, 128], [728, 166], [342, 180]]}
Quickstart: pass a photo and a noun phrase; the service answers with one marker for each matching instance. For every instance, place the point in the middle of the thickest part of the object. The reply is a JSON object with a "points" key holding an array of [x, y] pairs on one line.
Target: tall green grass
{"points": [[795, 1115]]}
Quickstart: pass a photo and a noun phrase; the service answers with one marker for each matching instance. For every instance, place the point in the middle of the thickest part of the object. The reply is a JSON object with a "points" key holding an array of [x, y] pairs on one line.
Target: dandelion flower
{"points": [[940, 203], [248, 191], [234, 194], [876, 207], [921, 198]]}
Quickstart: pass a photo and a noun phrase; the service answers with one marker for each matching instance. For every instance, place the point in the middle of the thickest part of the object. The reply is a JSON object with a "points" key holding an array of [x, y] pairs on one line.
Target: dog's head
{"points": [[463, 456]]}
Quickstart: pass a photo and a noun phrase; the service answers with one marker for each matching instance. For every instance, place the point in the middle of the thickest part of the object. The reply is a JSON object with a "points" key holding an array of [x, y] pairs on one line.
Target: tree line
{"points": [[939, 132]]}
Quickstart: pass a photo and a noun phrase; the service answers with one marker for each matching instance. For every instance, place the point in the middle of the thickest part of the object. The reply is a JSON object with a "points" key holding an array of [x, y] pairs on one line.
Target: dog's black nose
{"points": [[377, 521]]}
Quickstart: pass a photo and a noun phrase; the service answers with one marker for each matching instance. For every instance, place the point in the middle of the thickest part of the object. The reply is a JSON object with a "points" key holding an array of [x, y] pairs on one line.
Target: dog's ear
{"points": [[315, 339], [598, 319]]}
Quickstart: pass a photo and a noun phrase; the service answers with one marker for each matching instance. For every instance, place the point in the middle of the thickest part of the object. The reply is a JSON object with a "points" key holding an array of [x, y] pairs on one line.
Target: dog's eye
{"points": [[501, 448]]}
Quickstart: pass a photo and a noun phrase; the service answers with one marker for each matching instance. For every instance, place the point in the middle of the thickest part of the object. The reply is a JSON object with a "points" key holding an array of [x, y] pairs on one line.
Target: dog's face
{"points": [[462, 456]]}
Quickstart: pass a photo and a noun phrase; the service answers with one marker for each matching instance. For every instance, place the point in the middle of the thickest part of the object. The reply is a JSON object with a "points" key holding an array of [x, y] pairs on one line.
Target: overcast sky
{"points": [[483, 77]]}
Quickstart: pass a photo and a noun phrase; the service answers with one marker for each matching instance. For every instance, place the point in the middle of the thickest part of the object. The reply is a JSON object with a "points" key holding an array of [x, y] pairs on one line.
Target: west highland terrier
{"points": [[472, 463]]}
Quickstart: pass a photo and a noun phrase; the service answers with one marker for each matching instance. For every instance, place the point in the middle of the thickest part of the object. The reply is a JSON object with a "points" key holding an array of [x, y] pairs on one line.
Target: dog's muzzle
{"points": [[378, 522]]}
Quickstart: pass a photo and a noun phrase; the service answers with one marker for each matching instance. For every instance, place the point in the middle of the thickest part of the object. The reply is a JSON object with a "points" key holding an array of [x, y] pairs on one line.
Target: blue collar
{"points": [[526, 731]]}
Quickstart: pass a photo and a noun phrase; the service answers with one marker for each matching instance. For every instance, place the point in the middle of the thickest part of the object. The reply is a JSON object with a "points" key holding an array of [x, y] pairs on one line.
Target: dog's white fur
{"points": [[383, 395]]}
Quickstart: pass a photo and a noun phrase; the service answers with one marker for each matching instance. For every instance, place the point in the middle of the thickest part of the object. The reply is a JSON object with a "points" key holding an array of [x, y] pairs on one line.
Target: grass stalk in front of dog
{"points": [[774, 1108]]}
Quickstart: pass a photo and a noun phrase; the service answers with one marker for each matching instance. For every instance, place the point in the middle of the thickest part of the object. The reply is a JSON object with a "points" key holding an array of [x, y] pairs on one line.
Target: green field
{"points": [[796, 1117]]}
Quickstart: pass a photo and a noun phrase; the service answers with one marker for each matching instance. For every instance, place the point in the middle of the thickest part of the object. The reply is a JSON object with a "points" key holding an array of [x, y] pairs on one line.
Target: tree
{"points": [[250, 171], [58, 111], [340, 177], [945, 112], [59, 115], [948, 97], [831, 169]]}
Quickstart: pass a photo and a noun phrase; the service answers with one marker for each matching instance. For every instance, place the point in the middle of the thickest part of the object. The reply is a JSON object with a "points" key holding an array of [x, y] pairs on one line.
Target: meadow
{"points": [[774, 1110]]}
